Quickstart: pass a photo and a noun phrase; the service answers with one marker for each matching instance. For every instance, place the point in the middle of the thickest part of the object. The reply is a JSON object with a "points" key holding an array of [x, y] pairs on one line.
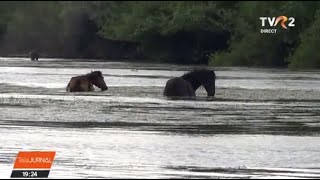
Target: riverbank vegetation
{"points": [[195, 32]]}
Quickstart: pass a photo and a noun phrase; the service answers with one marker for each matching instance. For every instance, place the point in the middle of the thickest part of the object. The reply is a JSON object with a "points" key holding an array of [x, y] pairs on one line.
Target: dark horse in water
{"points": [[186, 85], [34, 55], [86, 82]]}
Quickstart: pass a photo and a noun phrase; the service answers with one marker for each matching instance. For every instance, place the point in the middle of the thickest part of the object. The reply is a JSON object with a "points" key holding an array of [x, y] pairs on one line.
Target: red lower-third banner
{"points": [[33, 164]]}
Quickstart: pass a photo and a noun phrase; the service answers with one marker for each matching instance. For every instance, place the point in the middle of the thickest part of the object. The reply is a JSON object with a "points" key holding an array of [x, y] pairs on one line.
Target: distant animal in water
{"points": [[186, 85], [85, 82], [34, 55]]}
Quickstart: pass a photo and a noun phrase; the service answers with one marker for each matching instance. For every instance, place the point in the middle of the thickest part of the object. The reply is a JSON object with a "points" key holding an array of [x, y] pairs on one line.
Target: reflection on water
{"points": [[263, 123]]}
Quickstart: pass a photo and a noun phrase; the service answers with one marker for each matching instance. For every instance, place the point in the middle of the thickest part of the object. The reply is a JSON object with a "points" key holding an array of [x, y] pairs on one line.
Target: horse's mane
{"points": [[198, 77], [94, 73]]}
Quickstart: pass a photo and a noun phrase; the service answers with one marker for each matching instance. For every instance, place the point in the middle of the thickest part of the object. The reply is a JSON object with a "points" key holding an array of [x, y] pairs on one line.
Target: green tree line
{"points": [[218, 33]]}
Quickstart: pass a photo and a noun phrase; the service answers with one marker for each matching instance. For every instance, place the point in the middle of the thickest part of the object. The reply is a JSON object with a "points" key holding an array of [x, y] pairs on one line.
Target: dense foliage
{"points": [[208, 32]]}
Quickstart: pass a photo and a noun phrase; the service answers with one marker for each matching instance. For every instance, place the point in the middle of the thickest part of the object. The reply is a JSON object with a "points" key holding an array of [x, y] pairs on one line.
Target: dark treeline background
{"points": [[194, 32]]}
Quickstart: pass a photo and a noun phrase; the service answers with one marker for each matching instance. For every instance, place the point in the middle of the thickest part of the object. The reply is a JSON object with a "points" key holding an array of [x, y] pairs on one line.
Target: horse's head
{"points": [[209, 82], [202, 77], [98, 80]]}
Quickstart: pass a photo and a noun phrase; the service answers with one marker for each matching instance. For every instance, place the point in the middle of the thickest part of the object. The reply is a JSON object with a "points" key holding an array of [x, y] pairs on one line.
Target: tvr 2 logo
{"points": [[284, 21]]}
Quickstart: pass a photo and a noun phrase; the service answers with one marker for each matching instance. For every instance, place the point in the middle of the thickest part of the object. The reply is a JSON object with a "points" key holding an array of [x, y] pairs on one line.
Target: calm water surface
{"points": [[263, 123]]}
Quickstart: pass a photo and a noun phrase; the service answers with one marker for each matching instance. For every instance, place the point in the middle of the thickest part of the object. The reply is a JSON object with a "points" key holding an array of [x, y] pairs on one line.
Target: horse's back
{"points": [[178, 87]]}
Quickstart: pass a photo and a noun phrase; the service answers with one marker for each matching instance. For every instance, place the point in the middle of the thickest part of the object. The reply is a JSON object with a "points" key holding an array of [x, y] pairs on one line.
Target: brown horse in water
{"points": [[186, 85], [85, 82], [34, 55]]}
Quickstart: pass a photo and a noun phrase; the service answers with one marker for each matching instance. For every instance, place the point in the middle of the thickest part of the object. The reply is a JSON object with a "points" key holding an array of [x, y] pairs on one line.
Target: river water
{"points": [[263, 123]]}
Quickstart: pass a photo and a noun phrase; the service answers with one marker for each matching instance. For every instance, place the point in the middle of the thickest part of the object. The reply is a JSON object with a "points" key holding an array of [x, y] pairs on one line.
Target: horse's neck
{"points": [[87, 77], [192, 80]]}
